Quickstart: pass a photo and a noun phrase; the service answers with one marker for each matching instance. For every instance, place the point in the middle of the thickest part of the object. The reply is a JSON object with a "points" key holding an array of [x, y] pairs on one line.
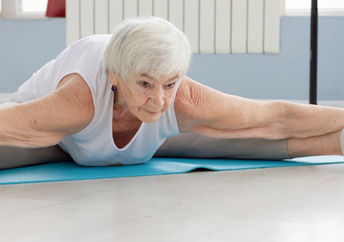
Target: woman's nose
{"points": [[158, 97]]}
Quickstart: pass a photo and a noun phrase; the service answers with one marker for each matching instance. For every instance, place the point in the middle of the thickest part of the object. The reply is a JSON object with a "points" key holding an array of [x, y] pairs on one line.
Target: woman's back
{"points": [[94, 145]]}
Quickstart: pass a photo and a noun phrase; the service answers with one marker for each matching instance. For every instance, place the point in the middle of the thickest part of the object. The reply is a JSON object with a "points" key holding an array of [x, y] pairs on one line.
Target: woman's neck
{"points": [[120, 109]]}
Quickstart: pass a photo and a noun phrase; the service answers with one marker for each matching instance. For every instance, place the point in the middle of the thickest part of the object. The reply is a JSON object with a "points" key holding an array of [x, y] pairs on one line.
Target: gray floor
{"points": [[277, 204]]}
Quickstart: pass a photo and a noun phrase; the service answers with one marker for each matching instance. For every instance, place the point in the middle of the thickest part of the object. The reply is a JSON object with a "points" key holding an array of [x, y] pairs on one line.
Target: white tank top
{"points": [[94, 145]]}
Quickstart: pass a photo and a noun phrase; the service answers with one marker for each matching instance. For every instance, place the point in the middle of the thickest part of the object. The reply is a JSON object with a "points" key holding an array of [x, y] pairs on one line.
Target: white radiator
{"points": [[212, 26]]}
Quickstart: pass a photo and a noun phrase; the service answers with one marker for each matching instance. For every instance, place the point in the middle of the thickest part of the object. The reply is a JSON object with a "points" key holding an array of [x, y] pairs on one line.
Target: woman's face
{"points": [[145, 96]]}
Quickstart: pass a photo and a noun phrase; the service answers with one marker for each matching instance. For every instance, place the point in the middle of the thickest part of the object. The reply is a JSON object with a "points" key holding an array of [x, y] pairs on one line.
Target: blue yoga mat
{"points": [[67, 171]]}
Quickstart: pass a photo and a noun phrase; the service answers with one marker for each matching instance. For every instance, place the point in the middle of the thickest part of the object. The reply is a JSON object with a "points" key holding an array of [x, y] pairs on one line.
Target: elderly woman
{"points": [[115, 99]]}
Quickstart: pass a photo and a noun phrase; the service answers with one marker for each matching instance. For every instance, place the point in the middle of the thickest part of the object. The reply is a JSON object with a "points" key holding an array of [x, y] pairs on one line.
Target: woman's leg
{"points": [[16, 157], [191, 145]]}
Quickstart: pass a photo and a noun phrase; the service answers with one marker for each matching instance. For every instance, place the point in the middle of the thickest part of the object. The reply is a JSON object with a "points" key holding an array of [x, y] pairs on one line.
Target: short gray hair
{"points": [[147, 45]]}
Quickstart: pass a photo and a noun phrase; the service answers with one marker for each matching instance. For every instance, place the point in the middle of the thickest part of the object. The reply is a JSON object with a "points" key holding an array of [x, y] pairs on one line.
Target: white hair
{"points": [[147, 45]]}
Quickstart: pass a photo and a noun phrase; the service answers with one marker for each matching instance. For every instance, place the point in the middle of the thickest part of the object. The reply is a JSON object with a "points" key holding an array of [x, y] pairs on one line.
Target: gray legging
{"points": [[184, 145]]}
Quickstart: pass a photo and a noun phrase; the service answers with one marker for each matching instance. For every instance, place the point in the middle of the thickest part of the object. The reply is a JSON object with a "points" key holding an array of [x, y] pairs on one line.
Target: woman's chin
{"points": [[150, 118]]}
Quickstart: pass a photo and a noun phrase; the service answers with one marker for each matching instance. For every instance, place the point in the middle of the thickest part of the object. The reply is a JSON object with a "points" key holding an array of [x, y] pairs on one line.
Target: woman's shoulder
{"points": [[188, 97], [80, 102], [189, 93], [74, 85], [196, 104]]}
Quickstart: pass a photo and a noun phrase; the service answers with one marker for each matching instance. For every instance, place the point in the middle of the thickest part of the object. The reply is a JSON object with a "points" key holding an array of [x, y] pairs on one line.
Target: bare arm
{"points": [[47, 120], [204, 110]]}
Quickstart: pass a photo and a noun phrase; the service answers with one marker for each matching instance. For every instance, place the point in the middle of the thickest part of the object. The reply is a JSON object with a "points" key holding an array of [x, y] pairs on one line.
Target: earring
{"points": [[113, 88]]}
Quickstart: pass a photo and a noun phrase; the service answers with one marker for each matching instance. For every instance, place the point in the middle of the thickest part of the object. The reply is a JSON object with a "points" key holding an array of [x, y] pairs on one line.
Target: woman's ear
{"points": [[113, 78]]}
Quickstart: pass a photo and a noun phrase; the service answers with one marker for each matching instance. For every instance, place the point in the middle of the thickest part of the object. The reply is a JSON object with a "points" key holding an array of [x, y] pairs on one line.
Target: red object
{"points": [[56, 8]]}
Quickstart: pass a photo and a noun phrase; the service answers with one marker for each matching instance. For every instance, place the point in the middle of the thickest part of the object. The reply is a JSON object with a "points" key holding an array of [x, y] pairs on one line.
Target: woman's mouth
{"points": [[152, 113]]}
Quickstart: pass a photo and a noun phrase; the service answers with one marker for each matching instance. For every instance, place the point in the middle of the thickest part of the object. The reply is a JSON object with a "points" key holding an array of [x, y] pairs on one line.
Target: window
{"points": [[23, 8], [325, 7], [33, 6]]}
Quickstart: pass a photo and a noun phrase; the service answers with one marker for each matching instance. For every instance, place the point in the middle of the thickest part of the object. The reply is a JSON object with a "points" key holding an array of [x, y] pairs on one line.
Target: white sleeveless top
{"points": [[94, 145]]}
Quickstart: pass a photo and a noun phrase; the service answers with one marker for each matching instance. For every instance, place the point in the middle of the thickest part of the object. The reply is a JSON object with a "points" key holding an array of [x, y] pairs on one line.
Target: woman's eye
{"points": [[171, 85], [143, 83]]}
